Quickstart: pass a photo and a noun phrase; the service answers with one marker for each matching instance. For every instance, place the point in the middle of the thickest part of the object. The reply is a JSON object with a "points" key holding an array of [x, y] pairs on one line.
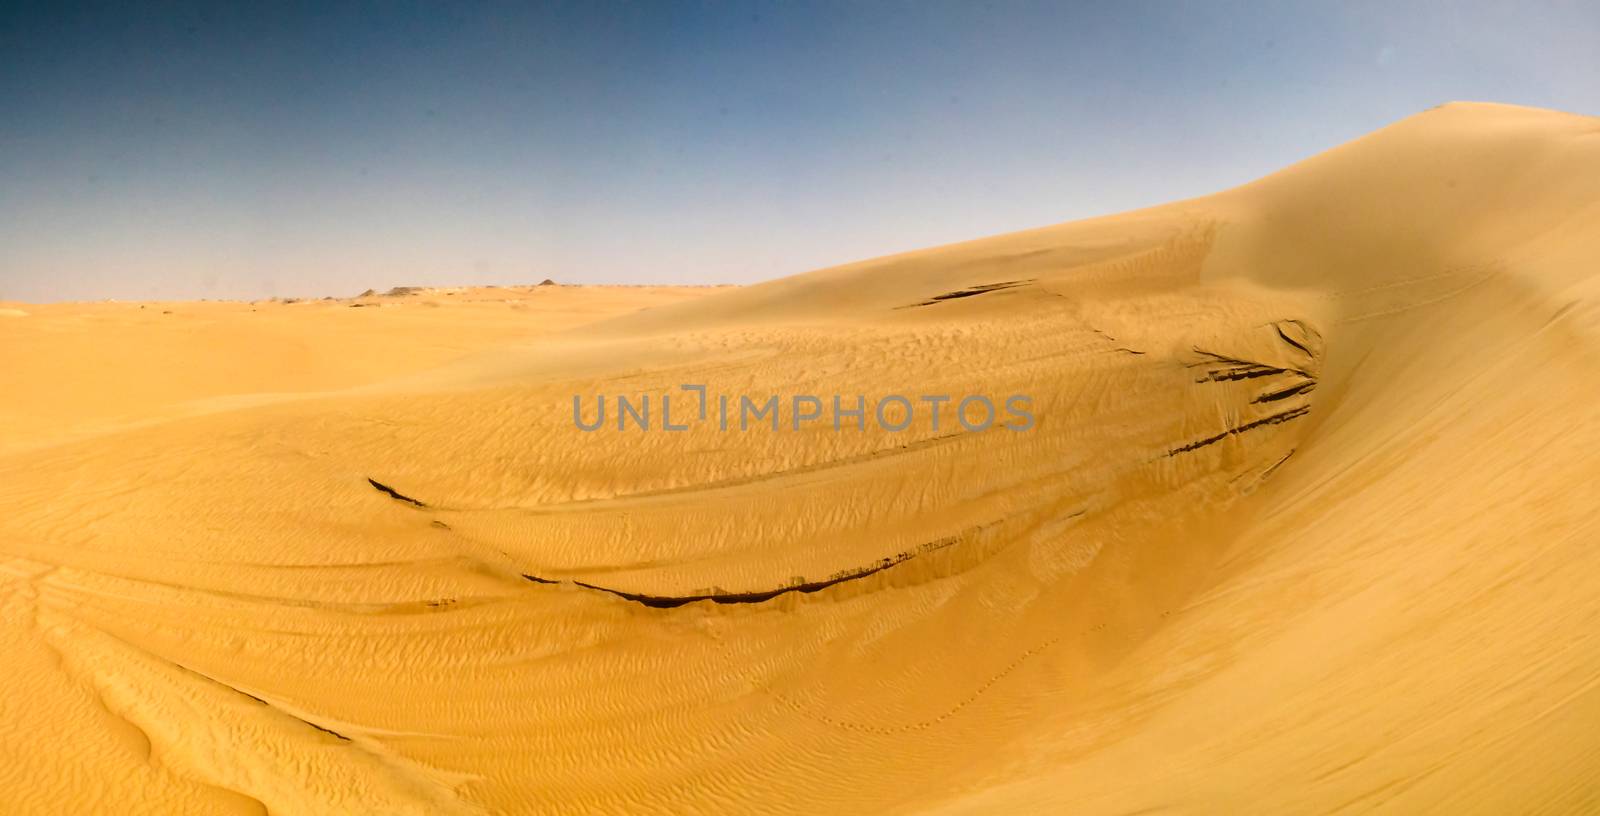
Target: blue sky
{"points": [[179, 151]]}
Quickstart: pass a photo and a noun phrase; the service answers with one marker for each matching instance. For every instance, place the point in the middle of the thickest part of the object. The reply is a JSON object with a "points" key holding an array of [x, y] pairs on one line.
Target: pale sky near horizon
{"points": [[184, 152]]}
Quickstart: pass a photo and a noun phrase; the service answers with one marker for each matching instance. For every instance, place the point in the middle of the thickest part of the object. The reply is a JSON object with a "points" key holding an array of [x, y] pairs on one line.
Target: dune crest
{"points": [[1303, 523]]}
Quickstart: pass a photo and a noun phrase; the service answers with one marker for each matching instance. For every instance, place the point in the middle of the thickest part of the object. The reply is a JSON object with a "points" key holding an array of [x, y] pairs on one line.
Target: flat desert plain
{"points": [[1305, 522]]}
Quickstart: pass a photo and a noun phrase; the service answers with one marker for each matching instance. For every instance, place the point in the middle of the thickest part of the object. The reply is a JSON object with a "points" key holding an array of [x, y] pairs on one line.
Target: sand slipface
{"points": [[1304, 522]]}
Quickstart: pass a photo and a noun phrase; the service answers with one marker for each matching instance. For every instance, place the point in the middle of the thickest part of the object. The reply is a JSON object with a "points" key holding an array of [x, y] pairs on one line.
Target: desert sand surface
{"points": [[87, 367], [1305, 524]]}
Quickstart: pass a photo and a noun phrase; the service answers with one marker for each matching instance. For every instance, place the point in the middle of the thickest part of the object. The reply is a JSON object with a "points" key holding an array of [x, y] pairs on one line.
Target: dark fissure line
{"points": [[1240, 369], [1285, 393], [1275, 465], [760, 596], [393, 494], [1290, 340], [981, 289], [1224, 375], [1271, 420], [258, 700], [1107, 336], [1222, 358], [336, 734], [672, 601]]}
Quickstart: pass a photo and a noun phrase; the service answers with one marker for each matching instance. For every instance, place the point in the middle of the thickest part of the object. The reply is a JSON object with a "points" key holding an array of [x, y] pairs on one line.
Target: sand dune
{"points": [[1303, 523]]}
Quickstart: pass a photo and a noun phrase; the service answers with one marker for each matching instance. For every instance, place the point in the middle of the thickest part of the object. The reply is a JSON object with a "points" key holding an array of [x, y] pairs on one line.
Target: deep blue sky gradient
{"points": [[185, 151]]}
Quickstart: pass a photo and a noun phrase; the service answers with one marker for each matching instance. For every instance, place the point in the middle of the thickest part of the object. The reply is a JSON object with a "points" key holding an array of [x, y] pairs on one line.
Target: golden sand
{"points": [[1305, 524]]}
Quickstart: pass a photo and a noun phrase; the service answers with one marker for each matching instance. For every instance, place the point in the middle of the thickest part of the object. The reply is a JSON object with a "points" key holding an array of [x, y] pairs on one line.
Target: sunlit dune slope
{"points": [[74, 368], [1302, 523]]}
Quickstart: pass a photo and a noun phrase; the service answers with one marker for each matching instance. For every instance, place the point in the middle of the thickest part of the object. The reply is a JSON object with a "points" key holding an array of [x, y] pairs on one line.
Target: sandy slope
{"points": [[1304, 525]]}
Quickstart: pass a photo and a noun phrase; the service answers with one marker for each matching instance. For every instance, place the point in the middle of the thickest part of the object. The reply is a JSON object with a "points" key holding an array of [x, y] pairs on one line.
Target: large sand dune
{"points": [[1304, 524]]}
